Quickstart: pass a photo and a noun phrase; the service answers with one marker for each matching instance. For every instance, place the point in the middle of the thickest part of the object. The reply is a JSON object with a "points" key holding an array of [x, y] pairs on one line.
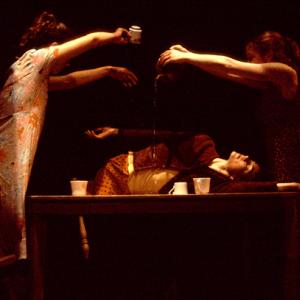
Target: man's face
{"points": [[240, 166]]}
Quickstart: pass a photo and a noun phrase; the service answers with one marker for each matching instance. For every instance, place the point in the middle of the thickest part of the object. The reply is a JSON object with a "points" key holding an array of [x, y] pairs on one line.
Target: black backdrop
{"points": [[194, 102]]}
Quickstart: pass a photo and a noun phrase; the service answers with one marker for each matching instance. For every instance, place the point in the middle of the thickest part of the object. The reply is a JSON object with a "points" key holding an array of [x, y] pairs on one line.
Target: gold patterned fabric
{"points": [[179, 154]]}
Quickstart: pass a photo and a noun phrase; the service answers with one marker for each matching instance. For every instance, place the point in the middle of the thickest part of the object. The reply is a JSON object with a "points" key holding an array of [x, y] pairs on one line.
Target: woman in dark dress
{"points": [[273, 68]]}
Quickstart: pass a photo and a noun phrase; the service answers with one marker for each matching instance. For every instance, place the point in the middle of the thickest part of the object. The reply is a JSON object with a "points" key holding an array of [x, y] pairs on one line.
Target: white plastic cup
{"points": [[79, 187], [202, 185], [136, 34], [179, 188]]}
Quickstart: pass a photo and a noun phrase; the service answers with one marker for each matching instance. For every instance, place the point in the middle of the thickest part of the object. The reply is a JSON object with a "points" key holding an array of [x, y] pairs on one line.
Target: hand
{"points": [[102, 132], [179, 48], [175, 54], [122, 36], [127, 78]]}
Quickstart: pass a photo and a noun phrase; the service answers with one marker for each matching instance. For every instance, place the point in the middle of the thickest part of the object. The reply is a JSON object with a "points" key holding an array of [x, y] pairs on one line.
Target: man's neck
{"points": [[219, 165]]}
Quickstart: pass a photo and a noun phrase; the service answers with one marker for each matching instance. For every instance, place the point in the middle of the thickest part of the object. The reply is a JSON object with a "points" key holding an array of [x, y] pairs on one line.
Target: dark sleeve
{"points": [[198, 150], [160, 135], [244, 187]]}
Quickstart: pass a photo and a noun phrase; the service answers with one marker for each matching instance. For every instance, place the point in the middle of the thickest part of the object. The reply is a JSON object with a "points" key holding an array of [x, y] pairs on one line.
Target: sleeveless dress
{"points": [[23, 101]]}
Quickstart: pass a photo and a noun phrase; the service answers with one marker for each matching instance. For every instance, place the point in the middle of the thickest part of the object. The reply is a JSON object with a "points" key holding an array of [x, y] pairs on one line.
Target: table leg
{"points": [[35, 245]]}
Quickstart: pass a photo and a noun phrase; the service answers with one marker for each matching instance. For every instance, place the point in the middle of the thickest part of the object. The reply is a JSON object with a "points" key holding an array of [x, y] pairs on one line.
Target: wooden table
{"points": [[40, 208]]}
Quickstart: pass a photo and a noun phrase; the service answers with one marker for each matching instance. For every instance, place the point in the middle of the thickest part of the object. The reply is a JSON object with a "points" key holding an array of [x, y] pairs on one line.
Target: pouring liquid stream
{"points": [[154, 124]]}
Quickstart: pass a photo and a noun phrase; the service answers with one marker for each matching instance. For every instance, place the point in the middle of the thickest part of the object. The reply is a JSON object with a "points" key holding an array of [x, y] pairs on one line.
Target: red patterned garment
{"points": [[23, 101]]}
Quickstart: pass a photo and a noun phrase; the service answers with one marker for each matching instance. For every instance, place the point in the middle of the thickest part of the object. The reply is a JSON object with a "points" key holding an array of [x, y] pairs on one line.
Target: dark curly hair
{"points": [[278, 47], [45, 29]]}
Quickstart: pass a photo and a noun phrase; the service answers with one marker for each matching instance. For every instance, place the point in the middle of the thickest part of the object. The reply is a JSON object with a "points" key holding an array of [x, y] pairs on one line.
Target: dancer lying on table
{"points": [[179, 156]]}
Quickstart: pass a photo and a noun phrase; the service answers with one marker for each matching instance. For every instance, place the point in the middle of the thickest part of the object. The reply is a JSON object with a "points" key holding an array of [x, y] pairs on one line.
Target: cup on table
{"points": [[179, 188], [79, 187], [202, 185]]}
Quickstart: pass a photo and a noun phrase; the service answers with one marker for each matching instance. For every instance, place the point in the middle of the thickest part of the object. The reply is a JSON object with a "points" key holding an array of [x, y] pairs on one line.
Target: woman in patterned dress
{"points": [[23, 101], [273, 67]]}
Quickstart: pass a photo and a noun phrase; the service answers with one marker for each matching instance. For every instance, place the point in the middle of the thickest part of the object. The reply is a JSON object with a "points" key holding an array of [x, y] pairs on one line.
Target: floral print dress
{"points": [[23, 101]]}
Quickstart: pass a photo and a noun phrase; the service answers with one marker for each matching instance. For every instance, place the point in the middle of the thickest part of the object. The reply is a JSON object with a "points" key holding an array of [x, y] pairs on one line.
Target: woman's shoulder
{"points": [[33, 55]]}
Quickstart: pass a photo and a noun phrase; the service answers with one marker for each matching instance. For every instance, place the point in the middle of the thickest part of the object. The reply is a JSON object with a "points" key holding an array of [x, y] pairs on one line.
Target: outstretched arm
{"points": [[104, 132], [257, 75], [66, 51], [78, 78]]}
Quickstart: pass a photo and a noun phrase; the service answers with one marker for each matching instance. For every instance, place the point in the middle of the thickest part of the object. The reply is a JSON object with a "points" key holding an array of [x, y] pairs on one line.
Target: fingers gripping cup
{"points": [[135, 34], [79, 187]]}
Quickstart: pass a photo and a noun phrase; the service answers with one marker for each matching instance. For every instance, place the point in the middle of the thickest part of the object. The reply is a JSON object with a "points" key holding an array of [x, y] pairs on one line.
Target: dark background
{"points": [[196, 101]]}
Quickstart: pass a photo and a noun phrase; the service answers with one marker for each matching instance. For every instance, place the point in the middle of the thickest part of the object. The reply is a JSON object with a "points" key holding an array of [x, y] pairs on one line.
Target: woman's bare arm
{"points": [[257, 75], [78, 78], [68, 50]]}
